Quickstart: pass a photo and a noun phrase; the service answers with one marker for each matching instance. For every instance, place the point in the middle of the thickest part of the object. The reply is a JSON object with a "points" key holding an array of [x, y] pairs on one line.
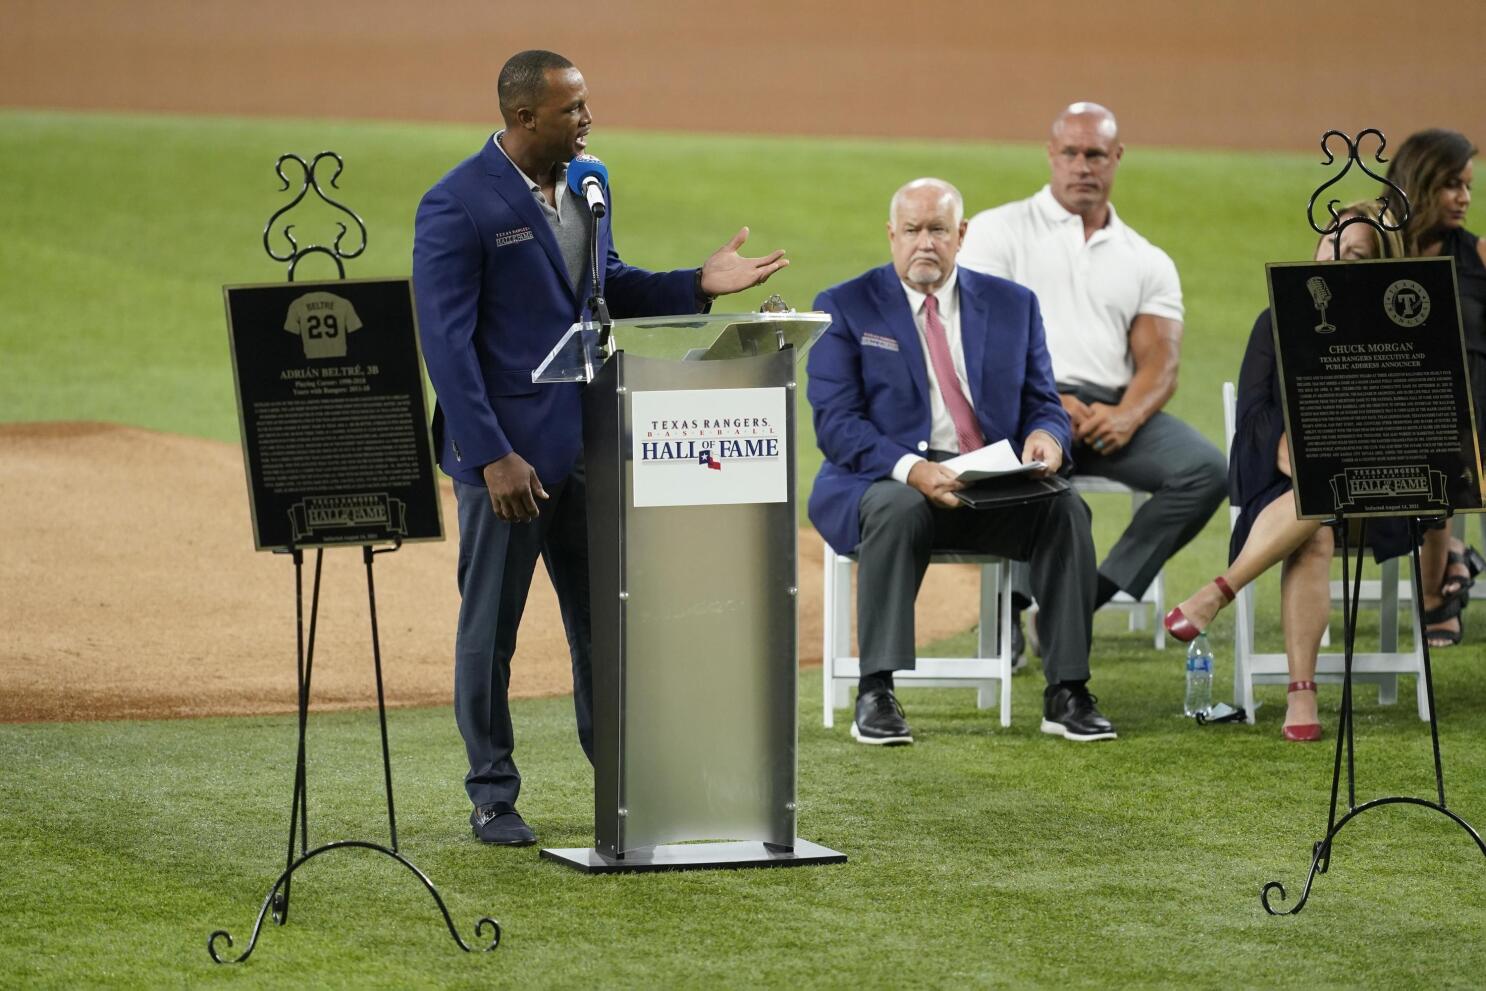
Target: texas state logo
{"points": [[699, 447]]}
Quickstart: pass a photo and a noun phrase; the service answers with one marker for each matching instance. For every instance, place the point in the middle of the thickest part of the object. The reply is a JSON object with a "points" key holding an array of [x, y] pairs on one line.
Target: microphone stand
{"points": [[597, 307]]}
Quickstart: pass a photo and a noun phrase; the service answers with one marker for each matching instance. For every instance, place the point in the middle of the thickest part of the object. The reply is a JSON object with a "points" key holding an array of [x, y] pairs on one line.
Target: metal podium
{"points": [[688, 433]]}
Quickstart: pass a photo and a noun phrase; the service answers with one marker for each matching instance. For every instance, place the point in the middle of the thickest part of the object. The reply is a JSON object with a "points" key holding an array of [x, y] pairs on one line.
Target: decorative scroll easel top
{"points": [[1391, 193], [309, 182]]}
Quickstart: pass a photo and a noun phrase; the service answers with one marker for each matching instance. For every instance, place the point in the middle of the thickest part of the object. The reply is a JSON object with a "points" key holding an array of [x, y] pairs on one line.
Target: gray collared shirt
{"points": [[569, 219]]}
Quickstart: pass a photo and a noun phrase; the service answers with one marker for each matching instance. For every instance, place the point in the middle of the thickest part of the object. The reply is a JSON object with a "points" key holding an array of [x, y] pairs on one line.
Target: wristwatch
{"points": [[703, 300]]}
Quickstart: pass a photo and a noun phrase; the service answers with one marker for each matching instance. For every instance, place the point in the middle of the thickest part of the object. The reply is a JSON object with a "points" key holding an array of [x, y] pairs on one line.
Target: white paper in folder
{"points": [[991, 461]]}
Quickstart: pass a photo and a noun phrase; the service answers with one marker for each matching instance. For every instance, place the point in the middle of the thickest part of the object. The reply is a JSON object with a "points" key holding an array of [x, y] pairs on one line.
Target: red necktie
{"points": [[967, 431]]}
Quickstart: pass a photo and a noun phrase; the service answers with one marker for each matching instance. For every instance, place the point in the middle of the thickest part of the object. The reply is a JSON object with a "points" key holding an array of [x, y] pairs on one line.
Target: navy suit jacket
{"points": [[493, 299], [871, 397]]}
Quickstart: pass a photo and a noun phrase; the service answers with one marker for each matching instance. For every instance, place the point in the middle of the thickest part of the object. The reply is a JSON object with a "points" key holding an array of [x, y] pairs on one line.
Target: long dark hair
{"points": [[1423, 164]]}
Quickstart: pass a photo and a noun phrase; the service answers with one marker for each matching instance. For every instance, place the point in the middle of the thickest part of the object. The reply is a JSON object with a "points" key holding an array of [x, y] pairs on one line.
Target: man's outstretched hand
{"points": [[729, 272]]}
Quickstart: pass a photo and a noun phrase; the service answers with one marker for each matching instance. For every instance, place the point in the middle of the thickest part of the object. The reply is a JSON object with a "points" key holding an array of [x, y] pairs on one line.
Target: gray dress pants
{"points": [[900, 528], [1186, 476], [496, 561]]}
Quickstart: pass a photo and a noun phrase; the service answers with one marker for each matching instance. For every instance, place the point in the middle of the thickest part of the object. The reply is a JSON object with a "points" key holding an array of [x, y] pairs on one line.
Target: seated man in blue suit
{"points": [[923, 361], [500, 266]]}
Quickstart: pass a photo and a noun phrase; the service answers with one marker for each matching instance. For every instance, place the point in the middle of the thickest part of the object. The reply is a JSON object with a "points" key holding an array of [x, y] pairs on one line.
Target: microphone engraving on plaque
{"points": [[588, 177], [1320, 296]]}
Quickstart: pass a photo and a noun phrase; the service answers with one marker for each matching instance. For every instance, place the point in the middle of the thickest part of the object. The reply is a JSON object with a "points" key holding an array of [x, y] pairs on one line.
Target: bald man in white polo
{"points": [[1112, 306]]}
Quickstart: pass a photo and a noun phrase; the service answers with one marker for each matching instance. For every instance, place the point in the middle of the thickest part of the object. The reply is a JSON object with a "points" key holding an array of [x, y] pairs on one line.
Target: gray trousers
{"points": [[496, 561], [900, 528], [1187, 478]]}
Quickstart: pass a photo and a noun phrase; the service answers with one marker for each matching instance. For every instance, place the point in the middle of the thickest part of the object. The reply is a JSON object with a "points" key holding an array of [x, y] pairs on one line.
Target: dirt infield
{"points": [[1225, 73], [129, 588]]}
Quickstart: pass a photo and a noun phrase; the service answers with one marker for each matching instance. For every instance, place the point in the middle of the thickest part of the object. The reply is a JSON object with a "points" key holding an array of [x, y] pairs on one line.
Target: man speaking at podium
{"points": [[500, 271], [923, 361]]}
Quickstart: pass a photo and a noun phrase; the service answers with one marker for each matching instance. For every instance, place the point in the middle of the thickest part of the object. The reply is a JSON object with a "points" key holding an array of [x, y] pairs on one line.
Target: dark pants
{"points": [[1186, 476], [900, 528], [496, 561]]}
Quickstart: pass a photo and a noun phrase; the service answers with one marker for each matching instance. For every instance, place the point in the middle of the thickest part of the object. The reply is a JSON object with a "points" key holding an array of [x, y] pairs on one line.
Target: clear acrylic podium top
{"points": [[686, 337]]}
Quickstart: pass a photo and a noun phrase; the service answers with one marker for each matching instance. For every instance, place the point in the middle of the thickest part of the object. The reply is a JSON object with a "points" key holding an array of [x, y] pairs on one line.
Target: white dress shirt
{"points": [[1090, 291]]}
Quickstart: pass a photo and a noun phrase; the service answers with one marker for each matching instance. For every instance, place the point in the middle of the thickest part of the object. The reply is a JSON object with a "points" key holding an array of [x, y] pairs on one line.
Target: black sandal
{"points": [[1459, 586], [1451, 609]]}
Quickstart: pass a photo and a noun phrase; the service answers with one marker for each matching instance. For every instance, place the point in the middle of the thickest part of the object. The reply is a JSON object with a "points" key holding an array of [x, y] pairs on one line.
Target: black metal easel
{"points": [[277, 898], [1352, 584]]}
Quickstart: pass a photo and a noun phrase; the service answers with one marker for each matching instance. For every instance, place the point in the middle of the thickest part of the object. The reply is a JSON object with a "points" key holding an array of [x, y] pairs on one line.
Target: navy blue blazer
{"points": [[493, 299], [869, 384]]}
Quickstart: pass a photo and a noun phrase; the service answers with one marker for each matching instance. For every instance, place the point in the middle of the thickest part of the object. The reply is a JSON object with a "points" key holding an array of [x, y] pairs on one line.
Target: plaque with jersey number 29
{"points": [[334, 424]]}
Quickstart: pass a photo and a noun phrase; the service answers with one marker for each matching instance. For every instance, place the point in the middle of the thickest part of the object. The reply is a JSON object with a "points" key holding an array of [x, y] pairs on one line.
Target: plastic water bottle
{"points": [[1199, 677]]}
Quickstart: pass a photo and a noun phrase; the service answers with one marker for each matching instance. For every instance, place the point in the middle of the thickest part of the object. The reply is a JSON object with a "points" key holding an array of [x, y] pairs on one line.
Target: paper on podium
{"points": [[992, 461]]}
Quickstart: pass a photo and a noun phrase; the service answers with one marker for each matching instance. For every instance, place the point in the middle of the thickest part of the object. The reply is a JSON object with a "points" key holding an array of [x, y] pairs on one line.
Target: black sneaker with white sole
{"points": [[879, 719], [1069, 711]]}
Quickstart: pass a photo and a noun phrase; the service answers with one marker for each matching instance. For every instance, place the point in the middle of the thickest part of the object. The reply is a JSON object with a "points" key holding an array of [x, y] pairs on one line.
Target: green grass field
{"points": [[979, 857], [982, 856]]}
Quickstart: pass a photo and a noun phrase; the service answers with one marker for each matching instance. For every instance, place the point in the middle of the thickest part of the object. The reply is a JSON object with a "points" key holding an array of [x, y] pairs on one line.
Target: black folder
{"points": [[1011, 490]]}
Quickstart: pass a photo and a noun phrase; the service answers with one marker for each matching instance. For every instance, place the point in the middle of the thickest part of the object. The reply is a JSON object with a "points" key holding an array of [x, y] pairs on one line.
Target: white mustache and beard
{"points": [[925, 271]]}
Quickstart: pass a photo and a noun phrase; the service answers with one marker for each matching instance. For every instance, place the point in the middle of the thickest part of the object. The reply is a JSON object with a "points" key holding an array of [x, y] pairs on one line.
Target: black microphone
{"points": [[588, 177]]}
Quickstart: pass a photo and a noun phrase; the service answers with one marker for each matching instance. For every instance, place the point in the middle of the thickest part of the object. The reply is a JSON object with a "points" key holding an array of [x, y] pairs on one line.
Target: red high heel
{"points": [[1301, 732], [1182, 628]]}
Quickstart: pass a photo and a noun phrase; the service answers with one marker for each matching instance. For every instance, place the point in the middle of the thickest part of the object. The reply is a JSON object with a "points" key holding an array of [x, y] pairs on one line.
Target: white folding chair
{"points": [[1250, 667], [989, 672], [1154, 598]]}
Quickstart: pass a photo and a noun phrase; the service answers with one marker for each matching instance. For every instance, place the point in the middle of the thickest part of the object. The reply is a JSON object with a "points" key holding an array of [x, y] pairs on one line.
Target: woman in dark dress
{"points": [[1267, 530], [1434, 169]]}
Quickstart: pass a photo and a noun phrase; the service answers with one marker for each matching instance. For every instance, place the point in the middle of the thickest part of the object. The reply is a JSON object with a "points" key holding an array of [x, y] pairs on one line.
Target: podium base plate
{"points": [[695, 856]]}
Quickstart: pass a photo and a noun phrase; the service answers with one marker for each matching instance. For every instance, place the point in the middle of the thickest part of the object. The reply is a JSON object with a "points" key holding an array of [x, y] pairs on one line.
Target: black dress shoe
{"points": [[1069, 711], [879, 719], [501, 826]]}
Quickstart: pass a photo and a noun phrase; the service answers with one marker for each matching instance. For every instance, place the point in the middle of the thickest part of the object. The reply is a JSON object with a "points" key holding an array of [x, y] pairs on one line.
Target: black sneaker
{"points": [[1069, 711], [501, 826], [879, 719]]}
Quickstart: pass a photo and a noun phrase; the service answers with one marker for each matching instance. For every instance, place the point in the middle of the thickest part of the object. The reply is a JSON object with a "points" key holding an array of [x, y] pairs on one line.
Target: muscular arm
{"points": [[1155, 349]]}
